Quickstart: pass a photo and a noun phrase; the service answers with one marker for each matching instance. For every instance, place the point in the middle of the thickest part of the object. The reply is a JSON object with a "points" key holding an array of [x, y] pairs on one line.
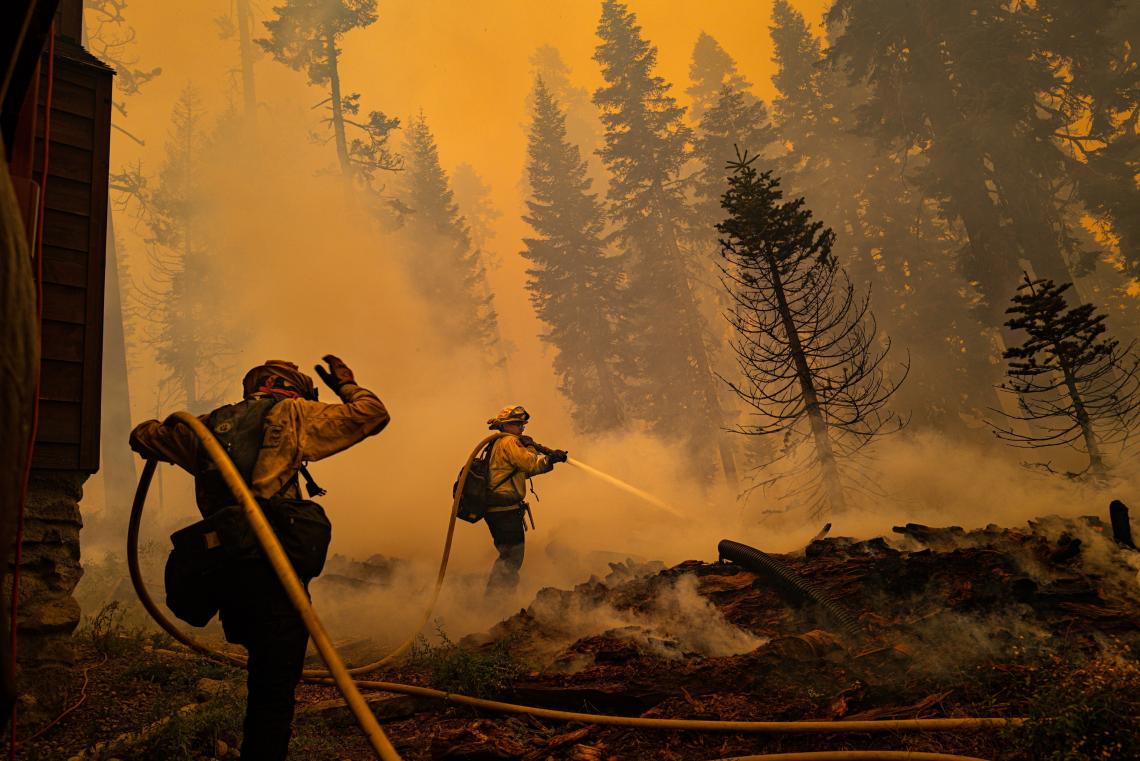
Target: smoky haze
{"points": [[301, 269]]}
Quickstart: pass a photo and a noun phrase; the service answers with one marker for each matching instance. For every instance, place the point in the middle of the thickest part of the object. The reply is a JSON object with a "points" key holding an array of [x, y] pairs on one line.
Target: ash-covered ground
{"points": [[948, 623], [1040, 621]]}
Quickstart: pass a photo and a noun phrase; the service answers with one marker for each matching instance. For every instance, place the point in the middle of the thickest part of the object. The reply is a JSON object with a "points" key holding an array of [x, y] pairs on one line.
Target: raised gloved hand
{"points": [[337, 375], [559, 455]]}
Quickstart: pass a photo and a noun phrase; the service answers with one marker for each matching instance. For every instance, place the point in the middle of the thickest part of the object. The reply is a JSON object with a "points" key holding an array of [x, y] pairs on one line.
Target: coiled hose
{"points": [[181, 636], [790, 582], [340, 676]]}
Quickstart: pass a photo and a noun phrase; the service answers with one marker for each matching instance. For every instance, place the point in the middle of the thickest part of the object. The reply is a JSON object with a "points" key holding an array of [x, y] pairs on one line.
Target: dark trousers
{"points": [[508, 532], [257, 614]]}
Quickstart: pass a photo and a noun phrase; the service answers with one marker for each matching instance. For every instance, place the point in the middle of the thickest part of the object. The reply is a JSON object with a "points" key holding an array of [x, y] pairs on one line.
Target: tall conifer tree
{"points": [[305, 35], [645, 148], [573, 284], [446, 267], [187, 316]]}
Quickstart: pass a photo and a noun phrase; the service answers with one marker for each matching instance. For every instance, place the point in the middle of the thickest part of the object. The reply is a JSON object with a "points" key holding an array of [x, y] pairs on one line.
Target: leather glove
{"points": [[337, 375], [559, 455]]}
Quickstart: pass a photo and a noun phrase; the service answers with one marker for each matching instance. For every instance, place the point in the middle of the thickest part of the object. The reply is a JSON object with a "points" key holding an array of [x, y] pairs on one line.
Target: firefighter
{"points": [[514, 459], [294, 428]]}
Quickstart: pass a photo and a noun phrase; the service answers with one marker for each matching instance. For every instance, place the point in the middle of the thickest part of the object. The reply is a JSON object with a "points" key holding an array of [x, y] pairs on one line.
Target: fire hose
{"points": [[340, 676]]}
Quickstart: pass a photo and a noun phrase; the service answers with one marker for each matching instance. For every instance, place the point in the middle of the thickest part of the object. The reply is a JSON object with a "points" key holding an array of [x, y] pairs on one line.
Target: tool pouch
{"points": [[202, 558]]}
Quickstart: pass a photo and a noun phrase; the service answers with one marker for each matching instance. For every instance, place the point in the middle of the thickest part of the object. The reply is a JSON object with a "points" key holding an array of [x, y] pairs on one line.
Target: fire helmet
{"points": [[277, 373], [512, 413]]}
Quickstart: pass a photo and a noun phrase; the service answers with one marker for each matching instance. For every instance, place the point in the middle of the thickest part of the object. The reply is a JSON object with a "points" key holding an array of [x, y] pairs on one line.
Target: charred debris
{"points": [[925, 622]]}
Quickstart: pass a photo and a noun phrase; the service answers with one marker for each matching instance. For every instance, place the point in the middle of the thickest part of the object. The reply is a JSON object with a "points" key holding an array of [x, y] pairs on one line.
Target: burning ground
{"points": [[1039, 621]]}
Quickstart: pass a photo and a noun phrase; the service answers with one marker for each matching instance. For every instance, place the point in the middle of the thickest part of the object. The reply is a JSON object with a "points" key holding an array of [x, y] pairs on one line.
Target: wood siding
{"points": [[74, 249]]}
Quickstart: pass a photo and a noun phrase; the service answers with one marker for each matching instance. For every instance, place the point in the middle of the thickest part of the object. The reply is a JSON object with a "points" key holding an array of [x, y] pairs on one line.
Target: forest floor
{"points": [[1041, 622]]}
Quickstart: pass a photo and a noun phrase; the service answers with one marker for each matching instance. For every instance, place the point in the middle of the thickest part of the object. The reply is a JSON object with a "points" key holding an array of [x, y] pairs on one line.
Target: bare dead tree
{"points": [[1076, 386], [806, 344]]}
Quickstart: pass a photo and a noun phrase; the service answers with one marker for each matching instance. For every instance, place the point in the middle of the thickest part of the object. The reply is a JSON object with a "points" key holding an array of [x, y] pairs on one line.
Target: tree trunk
{"points": [[245, 46], [337, 107], [823, 450], [118, 460], [1096, 458]]}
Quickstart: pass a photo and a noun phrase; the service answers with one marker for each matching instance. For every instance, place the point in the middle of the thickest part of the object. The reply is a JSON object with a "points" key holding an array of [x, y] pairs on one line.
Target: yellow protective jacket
{"points": [[296, 431], [512, 464]]}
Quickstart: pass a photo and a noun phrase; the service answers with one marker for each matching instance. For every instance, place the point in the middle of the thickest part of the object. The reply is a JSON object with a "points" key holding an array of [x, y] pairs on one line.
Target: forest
{"points": [[880, 271]]}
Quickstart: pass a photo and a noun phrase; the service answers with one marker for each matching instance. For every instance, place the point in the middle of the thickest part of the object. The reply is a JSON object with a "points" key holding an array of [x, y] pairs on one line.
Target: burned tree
{"points": [[806, 344], [1076, 386], [305, 35]]}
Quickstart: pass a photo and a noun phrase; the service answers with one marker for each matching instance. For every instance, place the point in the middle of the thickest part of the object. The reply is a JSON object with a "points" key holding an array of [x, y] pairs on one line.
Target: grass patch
{"points": [[1084, 712], [194, 734], [456, 669]]}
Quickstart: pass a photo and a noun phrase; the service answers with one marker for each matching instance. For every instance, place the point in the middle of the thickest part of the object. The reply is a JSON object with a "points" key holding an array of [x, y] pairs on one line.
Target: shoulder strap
{"points": [[507, 477], [240, 429]]}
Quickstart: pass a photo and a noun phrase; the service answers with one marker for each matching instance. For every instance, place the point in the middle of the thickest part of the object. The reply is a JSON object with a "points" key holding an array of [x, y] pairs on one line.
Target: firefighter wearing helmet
{"points": [[277, 427], [513, 459]]}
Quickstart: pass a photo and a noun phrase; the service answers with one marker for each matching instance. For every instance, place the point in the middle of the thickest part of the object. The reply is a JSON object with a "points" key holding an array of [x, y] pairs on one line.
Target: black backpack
{"points": [[203, 556], [478, 491]]}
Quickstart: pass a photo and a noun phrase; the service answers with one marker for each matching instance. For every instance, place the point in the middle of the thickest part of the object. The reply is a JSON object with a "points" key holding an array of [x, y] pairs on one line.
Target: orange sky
{"points": [[465, 64]]}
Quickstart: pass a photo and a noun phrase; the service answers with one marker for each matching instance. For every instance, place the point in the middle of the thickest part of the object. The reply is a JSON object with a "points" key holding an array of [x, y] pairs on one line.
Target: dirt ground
{"points": [[1041, 621]]}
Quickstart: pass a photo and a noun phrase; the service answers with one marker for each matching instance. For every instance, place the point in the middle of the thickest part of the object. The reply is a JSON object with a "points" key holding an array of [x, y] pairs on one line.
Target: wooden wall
{"points": [[75, 230]]}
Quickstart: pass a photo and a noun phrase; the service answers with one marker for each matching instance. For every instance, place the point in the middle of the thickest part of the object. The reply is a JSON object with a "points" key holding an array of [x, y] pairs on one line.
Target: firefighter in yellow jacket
{"points": [[287, 427], [514, 459]]}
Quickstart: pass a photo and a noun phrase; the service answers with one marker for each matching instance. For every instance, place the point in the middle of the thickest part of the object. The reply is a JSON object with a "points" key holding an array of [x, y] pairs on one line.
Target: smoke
{"points": [[308, 273], [926, 477]]}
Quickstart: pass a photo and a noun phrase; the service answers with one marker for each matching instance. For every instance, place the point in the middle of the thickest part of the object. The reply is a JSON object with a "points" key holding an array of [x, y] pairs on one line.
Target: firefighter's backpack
{"points": [[204, 554], [478, 491]]}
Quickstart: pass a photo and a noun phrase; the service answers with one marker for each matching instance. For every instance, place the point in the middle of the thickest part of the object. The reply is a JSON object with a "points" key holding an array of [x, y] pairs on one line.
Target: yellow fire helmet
{"points": [[512, 413]]}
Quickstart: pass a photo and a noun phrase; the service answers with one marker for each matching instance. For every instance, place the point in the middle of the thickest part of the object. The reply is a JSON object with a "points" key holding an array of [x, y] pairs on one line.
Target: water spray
{"points": [[629, 488]]}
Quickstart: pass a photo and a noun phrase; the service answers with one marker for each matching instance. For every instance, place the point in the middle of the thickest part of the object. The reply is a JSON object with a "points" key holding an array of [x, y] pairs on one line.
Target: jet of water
{"points": [[631, 489]]}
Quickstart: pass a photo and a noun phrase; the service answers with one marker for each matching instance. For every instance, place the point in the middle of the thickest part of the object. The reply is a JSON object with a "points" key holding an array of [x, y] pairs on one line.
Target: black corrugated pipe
{"points": [[780, 575]]}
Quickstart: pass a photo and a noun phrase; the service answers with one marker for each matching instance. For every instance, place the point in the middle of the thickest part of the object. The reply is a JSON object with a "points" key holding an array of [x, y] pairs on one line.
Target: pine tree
{"points": [[1077, 385], [966, 85], [888, 235], [582, 126], [807, 345], [728, 118], [473, 199], [1095, 43], [306, 35], [711, 70], [187, 314], [242, 28], [573, 284], [645, 148], [108, 36], [446, 267]]}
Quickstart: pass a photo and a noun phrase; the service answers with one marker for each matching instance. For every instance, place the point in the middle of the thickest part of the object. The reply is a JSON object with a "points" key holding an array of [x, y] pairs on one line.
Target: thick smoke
{"points": [[308, 273]]}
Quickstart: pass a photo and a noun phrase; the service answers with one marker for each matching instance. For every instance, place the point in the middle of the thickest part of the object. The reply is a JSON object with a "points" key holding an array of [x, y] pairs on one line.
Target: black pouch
{"points": [[195, 572], [201, 561], [304, 532]]}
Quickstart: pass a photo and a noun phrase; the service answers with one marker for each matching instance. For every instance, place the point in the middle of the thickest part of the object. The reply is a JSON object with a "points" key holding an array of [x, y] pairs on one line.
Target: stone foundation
{"points": [[49, 571]]}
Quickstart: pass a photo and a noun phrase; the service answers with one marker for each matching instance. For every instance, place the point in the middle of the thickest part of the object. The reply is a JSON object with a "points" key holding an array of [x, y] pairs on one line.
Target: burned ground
{"points": [[1041, 621]]}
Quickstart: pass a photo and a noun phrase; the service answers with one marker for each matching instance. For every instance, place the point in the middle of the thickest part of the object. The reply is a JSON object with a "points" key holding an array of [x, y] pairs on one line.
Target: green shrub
{"points": [[456, 669]]}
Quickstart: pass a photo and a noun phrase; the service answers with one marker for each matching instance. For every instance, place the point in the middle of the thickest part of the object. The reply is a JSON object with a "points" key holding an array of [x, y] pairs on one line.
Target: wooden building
{"points": [[56, 105]]}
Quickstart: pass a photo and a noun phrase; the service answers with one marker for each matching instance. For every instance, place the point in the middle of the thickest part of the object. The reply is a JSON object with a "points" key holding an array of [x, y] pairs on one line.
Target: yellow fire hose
{"points": [[340, 676], [854, 755], [284, 570], [225, 465]]}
